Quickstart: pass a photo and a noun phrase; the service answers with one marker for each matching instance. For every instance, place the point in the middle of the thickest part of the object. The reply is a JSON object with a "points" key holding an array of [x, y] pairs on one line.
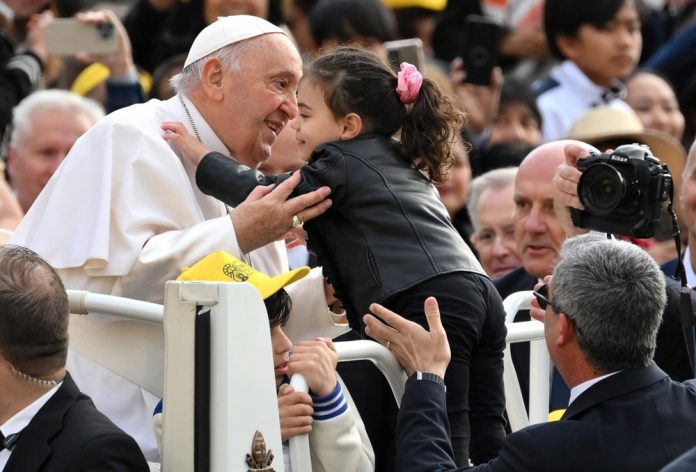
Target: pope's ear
{"points": [[351, 126], [212, 79]]}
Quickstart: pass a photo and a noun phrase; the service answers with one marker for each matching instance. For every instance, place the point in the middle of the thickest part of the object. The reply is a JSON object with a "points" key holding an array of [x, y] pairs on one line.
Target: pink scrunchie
{"points": [[409, 82]]}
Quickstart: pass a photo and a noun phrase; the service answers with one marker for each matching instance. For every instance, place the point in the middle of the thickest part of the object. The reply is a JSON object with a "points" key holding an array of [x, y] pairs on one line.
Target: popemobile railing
{"points": [[220, 408]]}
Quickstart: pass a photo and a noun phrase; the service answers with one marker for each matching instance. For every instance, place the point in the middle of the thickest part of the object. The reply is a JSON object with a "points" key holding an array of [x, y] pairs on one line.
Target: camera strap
{"points": [[686, 309]]}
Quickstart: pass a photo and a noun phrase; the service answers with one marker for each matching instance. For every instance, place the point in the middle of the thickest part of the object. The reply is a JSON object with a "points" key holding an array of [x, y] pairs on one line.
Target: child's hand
{"points": [[184, 142], [316, 361], [295, 411]]}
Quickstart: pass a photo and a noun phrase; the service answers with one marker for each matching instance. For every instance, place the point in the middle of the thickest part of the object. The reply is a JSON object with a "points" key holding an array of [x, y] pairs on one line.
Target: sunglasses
{"points": [[542, 297]]}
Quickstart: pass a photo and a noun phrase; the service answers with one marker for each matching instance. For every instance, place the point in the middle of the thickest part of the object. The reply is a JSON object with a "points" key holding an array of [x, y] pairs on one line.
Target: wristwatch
{"points": [[417, 375]]}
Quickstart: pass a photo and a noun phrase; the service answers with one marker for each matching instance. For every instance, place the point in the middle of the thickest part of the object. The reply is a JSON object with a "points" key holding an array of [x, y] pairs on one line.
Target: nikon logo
{"points": [[620, 159]]}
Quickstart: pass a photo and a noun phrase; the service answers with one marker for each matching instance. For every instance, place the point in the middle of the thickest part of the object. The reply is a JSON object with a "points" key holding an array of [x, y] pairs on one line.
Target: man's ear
{"points": [[351, 126], [212, 79], [566, 330], [566, 44]]}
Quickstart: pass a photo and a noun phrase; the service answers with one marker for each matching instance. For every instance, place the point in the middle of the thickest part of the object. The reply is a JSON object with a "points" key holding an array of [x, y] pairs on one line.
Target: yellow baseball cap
{"points": [[223, 267], [436, 5]]}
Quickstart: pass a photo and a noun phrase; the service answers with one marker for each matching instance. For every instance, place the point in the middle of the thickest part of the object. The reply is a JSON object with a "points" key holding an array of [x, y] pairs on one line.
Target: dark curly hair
{"points": [[356, 81]]}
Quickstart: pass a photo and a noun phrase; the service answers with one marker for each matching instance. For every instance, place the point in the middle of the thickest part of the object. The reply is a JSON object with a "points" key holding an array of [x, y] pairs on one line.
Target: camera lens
{"points": [[601, 189]]}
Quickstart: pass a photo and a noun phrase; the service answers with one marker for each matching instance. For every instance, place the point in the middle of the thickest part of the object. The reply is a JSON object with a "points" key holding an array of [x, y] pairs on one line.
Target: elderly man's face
{"points": [[494, 238], [39, 151], [260, 100], [538, 230]]}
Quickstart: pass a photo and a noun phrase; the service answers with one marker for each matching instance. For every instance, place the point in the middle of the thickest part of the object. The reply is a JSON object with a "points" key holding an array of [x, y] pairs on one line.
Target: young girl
{"points": [[387, 237]]}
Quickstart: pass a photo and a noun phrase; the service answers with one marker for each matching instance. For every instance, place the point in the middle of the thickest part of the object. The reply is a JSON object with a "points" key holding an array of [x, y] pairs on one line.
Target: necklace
{"points": [[30, 378], [190, 119]]}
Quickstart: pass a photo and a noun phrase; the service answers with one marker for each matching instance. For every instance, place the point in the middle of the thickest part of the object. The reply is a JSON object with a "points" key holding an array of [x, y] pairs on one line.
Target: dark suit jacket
{"points": [[69, 434], [637, 420], [669, 267], [670, 354]]}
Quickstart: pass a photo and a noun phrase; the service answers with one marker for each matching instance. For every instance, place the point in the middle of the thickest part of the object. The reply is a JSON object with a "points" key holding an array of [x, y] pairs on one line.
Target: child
{"points": [[336, 433], [599, 44], [387, 237]]}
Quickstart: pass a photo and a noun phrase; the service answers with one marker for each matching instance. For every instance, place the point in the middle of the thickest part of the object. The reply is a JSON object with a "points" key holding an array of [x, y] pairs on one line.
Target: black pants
{"points": [[474, 319]]}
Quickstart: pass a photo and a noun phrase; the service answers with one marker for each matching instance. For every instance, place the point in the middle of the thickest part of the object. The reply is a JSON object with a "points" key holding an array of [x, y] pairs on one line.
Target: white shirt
{"points": [[578, 390], [575, 94], [22, 419], [688, 268]]}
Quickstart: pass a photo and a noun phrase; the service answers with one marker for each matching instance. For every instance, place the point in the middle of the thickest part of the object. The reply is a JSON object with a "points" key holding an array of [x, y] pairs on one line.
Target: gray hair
{"points": [[615, 293], [496, 179], [231, 57], [53, 99]]}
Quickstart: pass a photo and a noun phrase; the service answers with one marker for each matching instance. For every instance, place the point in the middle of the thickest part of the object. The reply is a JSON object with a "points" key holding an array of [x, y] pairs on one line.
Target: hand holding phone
{"points": [[405, 50], [68, 36], [480, 48]]}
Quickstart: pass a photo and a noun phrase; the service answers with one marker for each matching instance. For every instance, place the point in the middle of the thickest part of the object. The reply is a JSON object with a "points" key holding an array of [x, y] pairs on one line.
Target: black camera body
{"points": [[622, 192]]}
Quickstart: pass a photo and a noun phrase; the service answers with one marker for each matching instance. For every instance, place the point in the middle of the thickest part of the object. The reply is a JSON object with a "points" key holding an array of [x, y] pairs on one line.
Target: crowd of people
{"points": [[364, 199]]}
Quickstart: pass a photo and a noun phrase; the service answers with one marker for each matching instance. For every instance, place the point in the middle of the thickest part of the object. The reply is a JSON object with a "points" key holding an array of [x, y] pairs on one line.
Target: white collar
{"points": [[206, 133], [578, 390], [688, 268], [569, 73], [21, 419], [7, 12]]}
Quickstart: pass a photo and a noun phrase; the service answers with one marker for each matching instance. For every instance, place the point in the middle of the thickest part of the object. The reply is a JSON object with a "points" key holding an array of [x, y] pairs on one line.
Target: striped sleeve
{"points": [[329, 406]]}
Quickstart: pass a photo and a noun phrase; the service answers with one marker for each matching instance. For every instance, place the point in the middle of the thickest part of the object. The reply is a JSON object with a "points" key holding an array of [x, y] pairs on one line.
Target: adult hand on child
{"points": [[316, 362], [415, 348], [295, 411], [266, 214]]}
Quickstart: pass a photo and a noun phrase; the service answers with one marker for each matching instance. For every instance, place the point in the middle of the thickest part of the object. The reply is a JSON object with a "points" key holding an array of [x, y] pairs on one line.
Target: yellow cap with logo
{"points": [[223, 267]]}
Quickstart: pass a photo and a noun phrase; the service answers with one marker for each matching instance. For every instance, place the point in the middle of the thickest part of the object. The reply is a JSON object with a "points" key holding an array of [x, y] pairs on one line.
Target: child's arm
{"points": [[184, 142]]}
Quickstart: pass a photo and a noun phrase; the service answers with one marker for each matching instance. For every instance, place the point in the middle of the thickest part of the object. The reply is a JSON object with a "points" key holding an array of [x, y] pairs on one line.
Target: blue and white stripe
{"points": [[329, 406]]}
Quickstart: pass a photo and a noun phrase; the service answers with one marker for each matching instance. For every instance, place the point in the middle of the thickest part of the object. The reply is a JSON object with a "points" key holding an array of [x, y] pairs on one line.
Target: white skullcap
{"points": [[228, 30]]}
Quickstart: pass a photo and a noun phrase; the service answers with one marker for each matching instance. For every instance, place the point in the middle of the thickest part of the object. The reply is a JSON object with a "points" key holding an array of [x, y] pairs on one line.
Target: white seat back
{"points": [[539, 365]]}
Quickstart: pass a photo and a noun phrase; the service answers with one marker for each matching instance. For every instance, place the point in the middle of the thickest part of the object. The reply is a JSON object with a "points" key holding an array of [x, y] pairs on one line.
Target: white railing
{"points": [[239, 324], [539, 366]]}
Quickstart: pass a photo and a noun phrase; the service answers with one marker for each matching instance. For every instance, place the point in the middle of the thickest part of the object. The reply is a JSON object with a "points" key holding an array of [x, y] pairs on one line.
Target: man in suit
{"points": [[601, 311], [687, 200], [538, 236], [45, 422], [541, 226]]}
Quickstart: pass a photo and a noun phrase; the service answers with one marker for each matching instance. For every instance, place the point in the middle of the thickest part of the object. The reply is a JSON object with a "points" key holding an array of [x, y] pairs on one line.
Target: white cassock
{"points": [[121, 216]]}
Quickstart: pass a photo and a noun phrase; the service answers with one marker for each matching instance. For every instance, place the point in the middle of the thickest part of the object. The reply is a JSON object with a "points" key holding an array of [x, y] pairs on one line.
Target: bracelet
{"points": [[417, 375]]}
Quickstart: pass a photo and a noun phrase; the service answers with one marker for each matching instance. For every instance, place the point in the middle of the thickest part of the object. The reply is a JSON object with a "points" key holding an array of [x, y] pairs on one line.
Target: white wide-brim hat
{"points": [[228, 30], [604, 123]]}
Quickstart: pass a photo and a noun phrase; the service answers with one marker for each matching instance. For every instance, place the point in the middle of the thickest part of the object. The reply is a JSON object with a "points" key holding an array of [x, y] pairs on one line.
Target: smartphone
{"points": [[67, 37], [405, 50], [480, 48]]}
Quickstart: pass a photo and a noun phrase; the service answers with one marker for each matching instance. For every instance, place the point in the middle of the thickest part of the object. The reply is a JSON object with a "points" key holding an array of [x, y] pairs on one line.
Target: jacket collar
{"points": [[623, 382], [33, 447]]}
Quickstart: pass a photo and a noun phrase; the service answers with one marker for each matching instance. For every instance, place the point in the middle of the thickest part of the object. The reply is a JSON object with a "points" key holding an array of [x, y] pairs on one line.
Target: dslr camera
{"points": [[622, 192]]}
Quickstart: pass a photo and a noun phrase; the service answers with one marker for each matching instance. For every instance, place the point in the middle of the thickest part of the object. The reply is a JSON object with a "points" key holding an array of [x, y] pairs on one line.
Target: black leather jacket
{"points": [[386, 231]]}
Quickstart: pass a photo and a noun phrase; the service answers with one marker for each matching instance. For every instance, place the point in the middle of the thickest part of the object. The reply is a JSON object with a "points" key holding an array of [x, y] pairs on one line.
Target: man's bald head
{"points": [[538, 231]]}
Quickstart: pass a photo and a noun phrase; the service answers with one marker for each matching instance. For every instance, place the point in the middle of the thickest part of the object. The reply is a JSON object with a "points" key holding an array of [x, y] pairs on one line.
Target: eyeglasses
{"points": [[542, 298]]}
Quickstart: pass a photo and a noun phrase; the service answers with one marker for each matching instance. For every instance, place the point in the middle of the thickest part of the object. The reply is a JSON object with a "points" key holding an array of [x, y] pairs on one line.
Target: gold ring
{"points": [[296, 221], [388, 343]]}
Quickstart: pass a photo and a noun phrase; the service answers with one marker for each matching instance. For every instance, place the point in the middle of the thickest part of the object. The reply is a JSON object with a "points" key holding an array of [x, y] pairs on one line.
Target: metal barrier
{"points": [[230, 334], [539, 366]]}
